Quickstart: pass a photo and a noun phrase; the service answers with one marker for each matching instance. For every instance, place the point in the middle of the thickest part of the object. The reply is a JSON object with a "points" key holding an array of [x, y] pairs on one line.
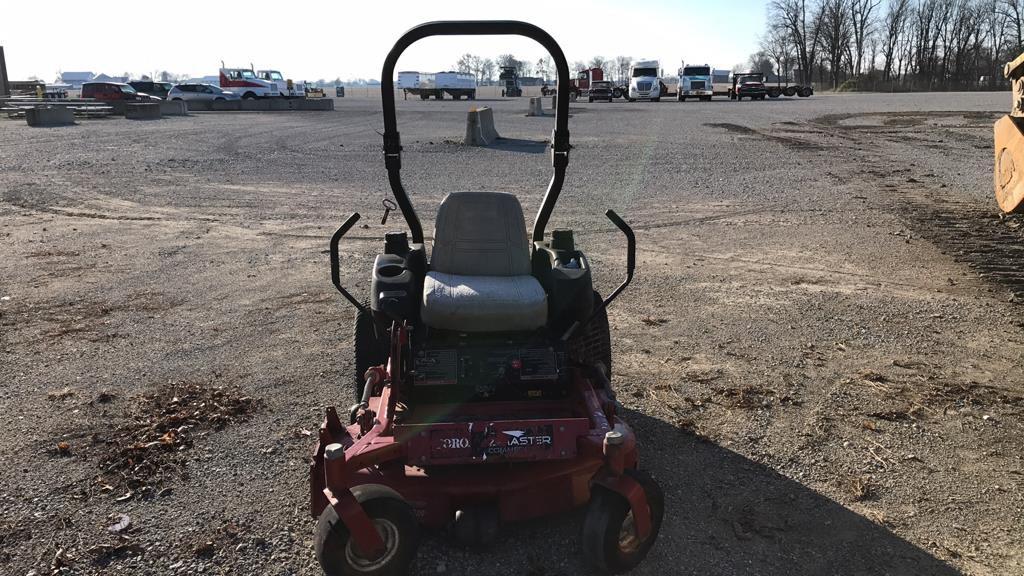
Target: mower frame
{"points": [[584, 443]]}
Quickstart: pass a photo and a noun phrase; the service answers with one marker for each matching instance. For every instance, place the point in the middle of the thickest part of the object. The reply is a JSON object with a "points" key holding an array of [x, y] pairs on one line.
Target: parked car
{"points": [[114, 91], [601, 90], [201, 92], [158, 89]]}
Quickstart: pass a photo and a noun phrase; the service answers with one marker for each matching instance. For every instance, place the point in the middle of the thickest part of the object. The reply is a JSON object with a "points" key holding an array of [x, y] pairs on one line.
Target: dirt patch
{"points": [[747, 131], [140, 457]]}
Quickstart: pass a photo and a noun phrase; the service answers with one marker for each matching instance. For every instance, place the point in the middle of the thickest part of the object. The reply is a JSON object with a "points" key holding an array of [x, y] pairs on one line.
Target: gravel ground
{"points": [[821, 351]]}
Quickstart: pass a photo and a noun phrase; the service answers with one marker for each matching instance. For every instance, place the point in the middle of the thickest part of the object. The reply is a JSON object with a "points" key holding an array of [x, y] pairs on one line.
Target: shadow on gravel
{"points": [[726, 514], [520, 145]]}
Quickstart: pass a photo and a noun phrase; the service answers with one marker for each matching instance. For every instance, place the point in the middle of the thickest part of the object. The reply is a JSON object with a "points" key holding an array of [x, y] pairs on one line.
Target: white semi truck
{"points": [[288, 88], [695, 81], [645, 82], [244, 82], [436, 84]]}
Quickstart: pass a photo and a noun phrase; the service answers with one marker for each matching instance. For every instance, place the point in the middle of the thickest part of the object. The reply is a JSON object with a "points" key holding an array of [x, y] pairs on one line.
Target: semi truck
{"points": [[436, 84], [645, 81], [581, 84], [509, 79], [695, 81], [244, 82], [288, 88]]}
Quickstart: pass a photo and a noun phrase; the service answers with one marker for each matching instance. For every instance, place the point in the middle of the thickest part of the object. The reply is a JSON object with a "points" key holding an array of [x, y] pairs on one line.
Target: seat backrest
{"points": [[481, 234]]}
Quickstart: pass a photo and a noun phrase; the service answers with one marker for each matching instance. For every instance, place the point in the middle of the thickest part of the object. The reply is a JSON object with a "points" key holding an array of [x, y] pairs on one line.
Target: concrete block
{"points": [[173, 108], [228, 105], [49, 116], [480, 129], [142, 111], [536, 107]]}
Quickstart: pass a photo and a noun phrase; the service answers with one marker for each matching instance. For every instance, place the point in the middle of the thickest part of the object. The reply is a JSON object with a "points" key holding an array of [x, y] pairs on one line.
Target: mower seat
{"points": [[479, 278]]}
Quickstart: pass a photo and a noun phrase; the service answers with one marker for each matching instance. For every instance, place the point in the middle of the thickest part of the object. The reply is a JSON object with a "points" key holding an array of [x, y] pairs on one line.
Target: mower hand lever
{"points": [[336, 266], [630, 244]]}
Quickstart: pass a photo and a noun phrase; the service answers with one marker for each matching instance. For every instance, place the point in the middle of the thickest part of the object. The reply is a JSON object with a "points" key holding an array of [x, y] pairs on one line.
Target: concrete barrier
{"points": [[480, 129], [142, 111], [536, 107], [173, 108], [49, 116], [263, 105], [226, 105]]}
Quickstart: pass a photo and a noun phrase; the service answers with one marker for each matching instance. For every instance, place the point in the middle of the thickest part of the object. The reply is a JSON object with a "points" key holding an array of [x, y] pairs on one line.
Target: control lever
{"points": [[335, 265]]}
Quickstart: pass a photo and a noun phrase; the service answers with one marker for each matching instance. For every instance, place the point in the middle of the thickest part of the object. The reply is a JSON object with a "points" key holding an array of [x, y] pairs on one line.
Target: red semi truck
{"points": [[581, 84]]}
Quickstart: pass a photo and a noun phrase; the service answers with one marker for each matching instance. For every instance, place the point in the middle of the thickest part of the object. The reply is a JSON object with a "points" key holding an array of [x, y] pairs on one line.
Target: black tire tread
{"points": [[332, 536], [605, 515], [369, 350], [593, 343]]}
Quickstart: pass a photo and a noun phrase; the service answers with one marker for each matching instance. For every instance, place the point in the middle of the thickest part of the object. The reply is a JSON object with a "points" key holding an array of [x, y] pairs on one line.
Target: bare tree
{"points": [[487, 69], [793, 17], [544, 67], [862, 23], [894, 27], [469, 64], [778, 47], [1013, 11], [622, 67], [836, 34]]}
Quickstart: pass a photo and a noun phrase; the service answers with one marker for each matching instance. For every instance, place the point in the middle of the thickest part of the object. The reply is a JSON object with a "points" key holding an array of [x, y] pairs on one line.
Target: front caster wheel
{"points": [[610, 543], [394, 520]]}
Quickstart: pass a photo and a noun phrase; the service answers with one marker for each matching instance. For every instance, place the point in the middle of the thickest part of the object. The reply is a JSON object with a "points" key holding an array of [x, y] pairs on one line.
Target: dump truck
{"points": [[1009, 144], [437, 84]]}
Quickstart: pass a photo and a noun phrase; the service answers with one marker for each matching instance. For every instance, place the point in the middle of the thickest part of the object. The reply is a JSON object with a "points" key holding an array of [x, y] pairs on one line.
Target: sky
{"points": [[315, 39]]}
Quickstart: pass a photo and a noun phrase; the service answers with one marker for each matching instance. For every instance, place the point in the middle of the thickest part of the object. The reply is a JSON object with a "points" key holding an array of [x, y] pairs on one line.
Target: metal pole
{"points": [[5, 88]]}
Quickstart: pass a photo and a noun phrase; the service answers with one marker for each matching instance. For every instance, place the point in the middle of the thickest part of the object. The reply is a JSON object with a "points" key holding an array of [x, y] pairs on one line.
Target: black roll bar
{"points": [[559, 137]]}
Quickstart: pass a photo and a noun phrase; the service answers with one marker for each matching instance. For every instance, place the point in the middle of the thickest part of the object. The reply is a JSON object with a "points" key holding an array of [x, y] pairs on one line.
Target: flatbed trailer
{"points": [[435, 85]]}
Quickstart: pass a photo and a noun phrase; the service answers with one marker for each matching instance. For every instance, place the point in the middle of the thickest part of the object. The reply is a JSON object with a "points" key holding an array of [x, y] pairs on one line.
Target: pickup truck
{"points": [[748, 85]]}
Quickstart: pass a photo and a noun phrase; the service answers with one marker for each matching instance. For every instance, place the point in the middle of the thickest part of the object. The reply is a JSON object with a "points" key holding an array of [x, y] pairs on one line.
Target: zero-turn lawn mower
{"points": [[482, 392]]}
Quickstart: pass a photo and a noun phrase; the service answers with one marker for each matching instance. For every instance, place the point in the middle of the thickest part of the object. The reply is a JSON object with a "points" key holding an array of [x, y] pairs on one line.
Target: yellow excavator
{"points": [[1009, 149]]}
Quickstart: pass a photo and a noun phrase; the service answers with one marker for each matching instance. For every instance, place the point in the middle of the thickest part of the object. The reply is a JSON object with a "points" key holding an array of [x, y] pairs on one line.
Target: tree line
{"points": [[892, 44], [486, 70]]}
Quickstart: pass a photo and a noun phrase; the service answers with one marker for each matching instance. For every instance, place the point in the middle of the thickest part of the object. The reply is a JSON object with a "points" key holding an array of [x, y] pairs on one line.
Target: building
{"points": [[75, 79], [105, 78]]}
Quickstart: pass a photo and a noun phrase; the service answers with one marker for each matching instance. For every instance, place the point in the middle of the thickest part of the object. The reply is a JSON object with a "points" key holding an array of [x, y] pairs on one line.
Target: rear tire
{"points": [[805, 92], [609, 546], [369, 349], [394, 519], [593, 344]]}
